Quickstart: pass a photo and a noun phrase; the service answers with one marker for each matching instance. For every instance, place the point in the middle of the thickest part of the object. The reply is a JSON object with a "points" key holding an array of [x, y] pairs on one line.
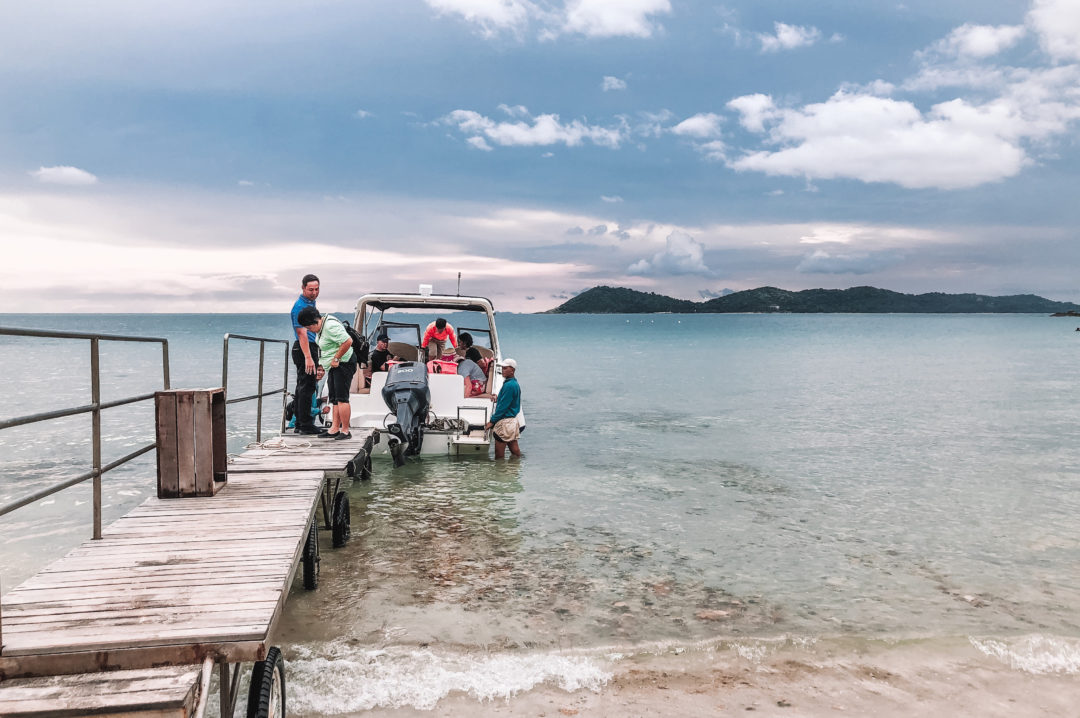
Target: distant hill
{"points": [[857, 300], [619, 300]]}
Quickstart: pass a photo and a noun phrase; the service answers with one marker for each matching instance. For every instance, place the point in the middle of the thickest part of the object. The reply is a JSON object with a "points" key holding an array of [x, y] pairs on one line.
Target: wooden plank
{"points": [[185, 442], [168, 484], [58, 663], [106, 613], [94, 639], [148, 601], [120, 623], [169, 691], [221, 457], [204, 444]]}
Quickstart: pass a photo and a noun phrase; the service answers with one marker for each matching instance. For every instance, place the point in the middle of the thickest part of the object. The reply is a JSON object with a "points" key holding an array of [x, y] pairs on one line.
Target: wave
{"points": [[1034, 654], [419, 678]]}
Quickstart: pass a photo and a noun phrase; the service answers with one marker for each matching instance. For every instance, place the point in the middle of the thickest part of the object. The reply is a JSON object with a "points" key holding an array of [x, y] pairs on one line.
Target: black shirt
{"points": [[378, 358]]}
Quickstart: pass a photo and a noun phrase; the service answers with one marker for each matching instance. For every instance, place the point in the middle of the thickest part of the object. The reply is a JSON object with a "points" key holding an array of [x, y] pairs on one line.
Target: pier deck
{"points": [[177, 580]]}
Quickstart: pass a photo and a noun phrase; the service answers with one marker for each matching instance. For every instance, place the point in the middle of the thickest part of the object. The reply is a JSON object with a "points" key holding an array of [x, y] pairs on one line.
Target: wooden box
{"points": [[191, 458]]}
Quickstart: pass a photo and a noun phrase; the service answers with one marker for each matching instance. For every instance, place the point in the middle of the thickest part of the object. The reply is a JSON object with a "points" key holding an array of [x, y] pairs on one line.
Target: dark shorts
{"points": [[338, 380]]}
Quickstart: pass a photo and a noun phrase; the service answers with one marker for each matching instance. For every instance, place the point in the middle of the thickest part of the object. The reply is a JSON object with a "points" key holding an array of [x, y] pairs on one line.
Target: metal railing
{"points": [[94, 408], [258, 396]]}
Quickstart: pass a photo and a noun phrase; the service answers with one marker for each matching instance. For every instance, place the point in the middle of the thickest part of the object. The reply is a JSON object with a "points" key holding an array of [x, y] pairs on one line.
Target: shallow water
{"points": [[744, 479]]}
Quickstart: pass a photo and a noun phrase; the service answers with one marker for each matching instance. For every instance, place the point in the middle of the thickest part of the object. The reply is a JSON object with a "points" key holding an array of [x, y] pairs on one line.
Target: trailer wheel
{"points": [[266, 696], [341, 522], [311, 557]]}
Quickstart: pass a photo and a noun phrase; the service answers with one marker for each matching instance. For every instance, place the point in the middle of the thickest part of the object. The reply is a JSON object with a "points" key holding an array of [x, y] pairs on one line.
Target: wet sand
{"points": [[889, 682]]}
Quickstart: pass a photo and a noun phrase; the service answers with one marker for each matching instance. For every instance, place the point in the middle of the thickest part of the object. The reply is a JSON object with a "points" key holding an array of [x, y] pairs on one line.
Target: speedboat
{"points": [[419, 405]]}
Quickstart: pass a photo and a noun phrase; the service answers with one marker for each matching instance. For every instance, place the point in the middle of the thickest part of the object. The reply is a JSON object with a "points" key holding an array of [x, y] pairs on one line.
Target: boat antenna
{"points": [[459, 284]]}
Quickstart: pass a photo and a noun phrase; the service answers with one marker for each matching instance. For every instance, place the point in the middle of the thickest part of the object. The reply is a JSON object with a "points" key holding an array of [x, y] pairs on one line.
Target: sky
{"points": [[203, 156]]}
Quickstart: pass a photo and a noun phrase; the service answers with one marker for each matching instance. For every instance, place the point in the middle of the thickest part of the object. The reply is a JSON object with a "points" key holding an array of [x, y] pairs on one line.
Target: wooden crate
{"points": [[191, 457]]}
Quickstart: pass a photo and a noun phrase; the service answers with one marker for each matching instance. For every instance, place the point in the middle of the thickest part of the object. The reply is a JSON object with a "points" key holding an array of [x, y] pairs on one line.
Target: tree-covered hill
{"points": [[857, 300]]}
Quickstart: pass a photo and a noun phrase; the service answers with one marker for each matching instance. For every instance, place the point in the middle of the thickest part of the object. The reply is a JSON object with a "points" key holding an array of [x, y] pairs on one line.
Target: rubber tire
{"points": [[310, 558], [365, 472], [340, 521], [265, 677]]}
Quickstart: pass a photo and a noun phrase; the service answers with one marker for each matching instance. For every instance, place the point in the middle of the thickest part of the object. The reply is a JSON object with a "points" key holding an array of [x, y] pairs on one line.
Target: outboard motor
{"points": [[407, 395]]}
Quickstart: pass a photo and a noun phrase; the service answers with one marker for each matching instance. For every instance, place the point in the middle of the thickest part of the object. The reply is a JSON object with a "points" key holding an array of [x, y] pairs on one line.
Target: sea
{"points": [[732, 486]]}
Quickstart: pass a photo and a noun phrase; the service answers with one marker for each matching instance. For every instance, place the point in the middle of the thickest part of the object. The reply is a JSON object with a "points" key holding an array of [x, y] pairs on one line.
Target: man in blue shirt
{"points": [[507, 407], [305, 355]]}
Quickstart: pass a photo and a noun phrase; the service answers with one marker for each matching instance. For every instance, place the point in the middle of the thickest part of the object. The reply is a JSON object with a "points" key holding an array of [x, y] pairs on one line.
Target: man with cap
{"points": [[507, 407], [379, 357]]}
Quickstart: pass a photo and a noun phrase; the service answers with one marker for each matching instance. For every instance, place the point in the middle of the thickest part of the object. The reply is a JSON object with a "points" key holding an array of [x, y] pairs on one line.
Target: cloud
{"points": [[701, 126], [822, 262], [592, 18], [362, 114], [575, 231], [613, 18], [515, 111], [683, 255], [1057, 23], [754, 110], [710, 294], [612, 199], [65, 175], [874, 139], [788, 37], [541, 130], [979, 41], [479, 143], [598, 230], [610, 84], [490, 16], [652, 123]]}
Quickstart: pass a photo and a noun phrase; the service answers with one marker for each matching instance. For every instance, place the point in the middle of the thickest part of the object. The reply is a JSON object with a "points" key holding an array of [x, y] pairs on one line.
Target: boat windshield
{"points": [[481, 337]]}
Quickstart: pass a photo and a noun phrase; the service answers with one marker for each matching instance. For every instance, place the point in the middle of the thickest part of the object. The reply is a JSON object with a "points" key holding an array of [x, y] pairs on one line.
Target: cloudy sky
{"points": [[202, 156]]}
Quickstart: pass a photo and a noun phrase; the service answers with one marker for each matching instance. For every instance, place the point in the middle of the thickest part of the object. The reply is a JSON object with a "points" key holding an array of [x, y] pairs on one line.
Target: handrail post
{"points": [[95, 399], [285, 388], [225, 365], [259, 403], [165, 365]]}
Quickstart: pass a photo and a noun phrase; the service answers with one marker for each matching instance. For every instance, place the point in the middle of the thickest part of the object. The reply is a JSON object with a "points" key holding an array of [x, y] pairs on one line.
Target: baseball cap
{"points": [[510, 363]]}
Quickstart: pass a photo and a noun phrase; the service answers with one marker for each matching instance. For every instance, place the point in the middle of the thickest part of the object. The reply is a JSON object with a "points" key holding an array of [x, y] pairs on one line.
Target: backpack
{"points": [[360, 344]]}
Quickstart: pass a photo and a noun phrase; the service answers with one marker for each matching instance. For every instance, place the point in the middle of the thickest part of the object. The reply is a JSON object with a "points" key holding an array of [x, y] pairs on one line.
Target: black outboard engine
{"points": [[407, 395]]}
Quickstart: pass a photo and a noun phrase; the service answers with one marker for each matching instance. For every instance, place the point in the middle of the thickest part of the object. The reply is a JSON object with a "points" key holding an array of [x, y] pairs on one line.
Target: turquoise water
{"points": [[686, 479]]}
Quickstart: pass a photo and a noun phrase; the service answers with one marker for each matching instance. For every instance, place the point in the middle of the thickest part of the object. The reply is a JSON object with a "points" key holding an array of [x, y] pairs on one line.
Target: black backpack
{"points": [[360, 344]]}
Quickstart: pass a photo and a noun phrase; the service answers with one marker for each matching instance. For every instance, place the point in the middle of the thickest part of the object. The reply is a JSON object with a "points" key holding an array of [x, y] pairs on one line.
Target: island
{"points": [[857, 300]]}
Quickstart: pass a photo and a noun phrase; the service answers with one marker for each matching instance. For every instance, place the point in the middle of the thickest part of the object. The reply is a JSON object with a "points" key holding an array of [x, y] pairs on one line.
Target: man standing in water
{"points": [[305, 353], [507, 407]]}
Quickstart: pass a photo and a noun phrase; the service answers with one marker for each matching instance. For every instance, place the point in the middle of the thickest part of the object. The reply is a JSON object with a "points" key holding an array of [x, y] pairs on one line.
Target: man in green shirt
{"points": [[336, 356]]}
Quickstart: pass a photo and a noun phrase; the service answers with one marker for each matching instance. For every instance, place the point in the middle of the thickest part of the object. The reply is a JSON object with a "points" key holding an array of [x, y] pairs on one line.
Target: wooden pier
{"points": [[171, 584]]}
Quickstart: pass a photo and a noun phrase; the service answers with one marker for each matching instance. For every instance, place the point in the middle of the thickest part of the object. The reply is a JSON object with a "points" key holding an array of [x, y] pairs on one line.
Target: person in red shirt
{"points": [[438, 331]]}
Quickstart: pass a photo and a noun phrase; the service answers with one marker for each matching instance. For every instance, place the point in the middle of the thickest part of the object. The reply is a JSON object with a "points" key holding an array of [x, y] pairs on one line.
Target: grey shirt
{"points": [[469, 368]]}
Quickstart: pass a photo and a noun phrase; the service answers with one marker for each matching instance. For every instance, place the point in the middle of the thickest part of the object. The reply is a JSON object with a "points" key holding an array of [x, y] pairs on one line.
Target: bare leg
{"points": [[345, 416], [500, 449], [514, 450], [335, 416]]}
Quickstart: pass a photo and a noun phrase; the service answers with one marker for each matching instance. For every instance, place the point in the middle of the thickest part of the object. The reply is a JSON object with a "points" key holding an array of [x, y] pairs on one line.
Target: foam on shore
{"points": [[1034, 654], [341, 678]]}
